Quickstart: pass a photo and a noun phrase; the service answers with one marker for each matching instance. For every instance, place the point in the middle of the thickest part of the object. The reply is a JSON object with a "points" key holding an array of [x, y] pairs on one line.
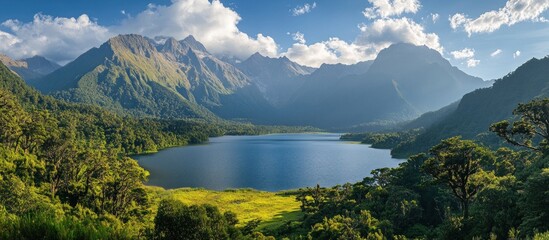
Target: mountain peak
{"points": [[190, 38], [39, 60], [407, 57], [285, 59], [191, 42], [129, 40], [171, 44], [257, 54], [409, 50], [132, 42]]}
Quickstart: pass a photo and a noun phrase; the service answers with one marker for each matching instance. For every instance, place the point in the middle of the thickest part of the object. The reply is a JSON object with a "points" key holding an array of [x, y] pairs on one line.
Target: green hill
{"points": [[479, 109], [132, 74]]}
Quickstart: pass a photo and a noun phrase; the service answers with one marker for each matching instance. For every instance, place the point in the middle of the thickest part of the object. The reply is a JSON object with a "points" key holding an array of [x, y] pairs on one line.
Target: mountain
{"points": [[341, 70], [30, 68], [479, 109], [403, 82], [169, 79], [425, 79], [276, 78]]}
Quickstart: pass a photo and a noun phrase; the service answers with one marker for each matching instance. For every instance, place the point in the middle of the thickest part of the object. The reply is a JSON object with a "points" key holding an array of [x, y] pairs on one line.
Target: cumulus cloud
{"points": [[457, 20], [464, 53], [513, 12], [516, 54], [63, 39], [215, 25], [58, 38], [372, 39], [211, 23], [495, 53], [383, 32], [389, 8], [471, 62], [300, 10], [332, 51]]}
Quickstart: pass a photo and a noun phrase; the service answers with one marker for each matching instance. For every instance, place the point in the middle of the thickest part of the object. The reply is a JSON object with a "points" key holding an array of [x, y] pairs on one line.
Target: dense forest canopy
{"points": [[66, 173], [65, 170]]}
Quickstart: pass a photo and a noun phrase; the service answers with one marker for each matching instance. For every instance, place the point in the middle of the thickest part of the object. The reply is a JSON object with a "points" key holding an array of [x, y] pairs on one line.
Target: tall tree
{"points": [[458, 163]]}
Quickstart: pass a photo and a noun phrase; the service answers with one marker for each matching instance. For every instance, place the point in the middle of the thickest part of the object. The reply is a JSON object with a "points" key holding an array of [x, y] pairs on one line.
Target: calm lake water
{"points": [[268, 162]]}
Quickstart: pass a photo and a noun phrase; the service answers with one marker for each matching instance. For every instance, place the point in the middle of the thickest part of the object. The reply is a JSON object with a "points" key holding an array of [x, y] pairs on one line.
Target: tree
{"points": [[533, 123], [458, 163], [535, 202], [176, 220], [362, 226], [12, 118]]}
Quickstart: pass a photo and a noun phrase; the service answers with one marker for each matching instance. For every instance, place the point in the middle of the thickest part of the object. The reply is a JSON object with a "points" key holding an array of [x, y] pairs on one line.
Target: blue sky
{"points": [[487, 38]]}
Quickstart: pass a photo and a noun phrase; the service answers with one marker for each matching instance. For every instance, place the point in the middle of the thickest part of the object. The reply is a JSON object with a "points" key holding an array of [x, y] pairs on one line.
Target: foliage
{"points": [[479, 109], [65, 174], [459, 189], [533, 123], [176, 220], [458, 163], [383, 140]]}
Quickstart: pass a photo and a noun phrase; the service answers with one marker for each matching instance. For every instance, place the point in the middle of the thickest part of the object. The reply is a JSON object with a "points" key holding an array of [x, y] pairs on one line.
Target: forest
{"points": [[66, 172], [459, 189]]}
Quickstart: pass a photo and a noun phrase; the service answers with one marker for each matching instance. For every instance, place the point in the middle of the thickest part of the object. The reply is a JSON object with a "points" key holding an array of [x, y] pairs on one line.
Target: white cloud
{"points": [[464, 53], [211, 23], [471, 62], [457, 20], [300, 10], [8, 41], [495, 53], [58, 38], [299, 37], [388, 8], [331, 51], [383, 32], [516, 54], [434, 17], [513, 12], [372, 39]]}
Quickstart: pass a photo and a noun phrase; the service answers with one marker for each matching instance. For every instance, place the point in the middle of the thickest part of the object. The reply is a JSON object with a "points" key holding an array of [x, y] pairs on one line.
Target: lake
{"points": [[268, 162]]}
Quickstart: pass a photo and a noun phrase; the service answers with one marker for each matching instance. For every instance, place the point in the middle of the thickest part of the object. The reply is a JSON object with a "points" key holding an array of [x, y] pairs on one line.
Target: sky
{"points": [[487, 39]]}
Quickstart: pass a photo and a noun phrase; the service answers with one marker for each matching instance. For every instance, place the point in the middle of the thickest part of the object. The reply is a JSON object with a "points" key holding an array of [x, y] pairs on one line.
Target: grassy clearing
{"points": [[273, 209]]}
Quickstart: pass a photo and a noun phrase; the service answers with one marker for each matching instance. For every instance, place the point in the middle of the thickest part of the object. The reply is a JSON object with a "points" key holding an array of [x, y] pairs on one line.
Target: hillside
{"points": [[169, 79], [479, 109]]}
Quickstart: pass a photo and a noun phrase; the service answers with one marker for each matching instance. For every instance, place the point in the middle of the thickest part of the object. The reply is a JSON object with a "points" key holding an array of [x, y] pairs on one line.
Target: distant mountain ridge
{"points": [[403, 82], [30, 68], [479, 109], [167, 78], [276, 78]]}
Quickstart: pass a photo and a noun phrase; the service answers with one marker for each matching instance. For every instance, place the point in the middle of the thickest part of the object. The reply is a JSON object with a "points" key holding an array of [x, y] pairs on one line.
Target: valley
{"points": [[174, 123]]}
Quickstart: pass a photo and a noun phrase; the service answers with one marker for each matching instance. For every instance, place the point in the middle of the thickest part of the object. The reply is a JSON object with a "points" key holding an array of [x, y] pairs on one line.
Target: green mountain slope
{"points": [[479, 109], [136, 75]]}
